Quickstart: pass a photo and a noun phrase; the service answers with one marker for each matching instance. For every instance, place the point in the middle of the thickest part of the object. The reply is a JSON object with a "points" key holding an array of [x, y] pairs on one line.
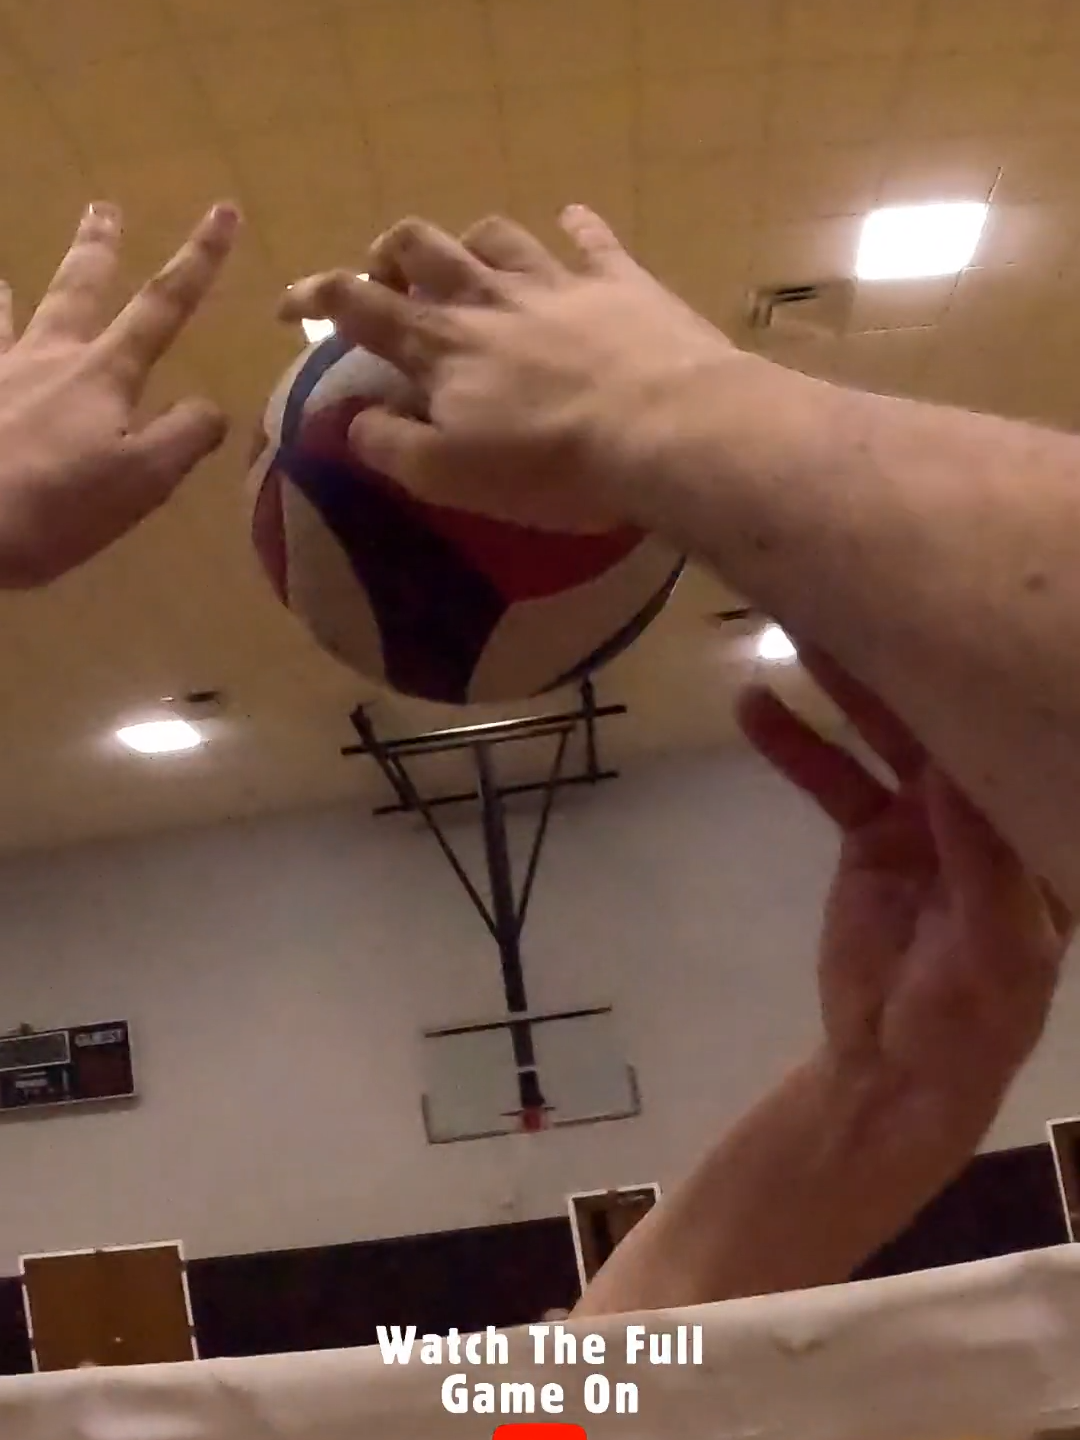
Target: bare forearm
{"points": [[799, 1193], [935, 553]]}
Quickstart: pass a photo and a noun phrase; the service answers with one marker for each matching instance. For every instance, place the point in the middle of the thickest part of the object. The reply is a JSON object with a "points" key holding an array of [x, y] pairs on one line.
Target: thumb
{"points": [[595, 240], [397, 446], [168, 447]]}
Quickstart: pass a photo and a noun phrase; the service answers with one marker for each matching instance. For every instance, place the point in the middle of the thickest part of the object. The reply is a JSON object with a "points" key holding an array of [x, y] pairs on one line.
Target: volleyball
{"points": [[434, 602]]}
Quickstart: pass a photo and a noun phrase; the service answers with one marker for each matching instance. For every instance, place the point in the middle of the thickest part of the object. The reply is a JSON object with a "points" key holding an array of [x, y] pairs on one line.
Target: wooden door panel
{"points": [[108, 1307]]}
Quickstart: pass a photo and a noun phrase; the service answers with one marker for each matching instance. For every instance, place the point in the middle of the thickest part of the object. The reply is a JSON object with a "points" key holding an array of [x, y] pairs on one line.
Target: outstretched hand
{"points": [[74, 474], [530, 372], [940, 953]]}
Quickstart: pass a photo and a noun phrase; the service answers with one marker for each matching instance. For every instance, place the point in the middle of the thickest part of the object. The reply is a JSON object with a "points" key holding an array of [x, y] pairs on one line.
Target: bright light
{"points": [[160, 737], [909, 242], [316, 330], [773, 645]]}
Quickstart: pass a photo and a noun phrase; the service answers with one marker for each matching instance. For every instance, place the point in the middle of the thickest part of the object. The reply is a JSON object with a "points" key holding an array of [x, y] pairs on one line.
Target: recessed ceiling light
{"points": [[316, 330], [910, 242], [160, 737], [774, 646]]}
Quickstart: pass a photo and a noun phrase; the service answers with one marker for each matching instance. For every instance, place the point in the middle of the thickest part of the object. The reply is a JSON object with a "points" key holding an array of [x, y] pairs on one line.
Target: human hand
{"points": [[537, 381], [939, 953], [74, 475]]}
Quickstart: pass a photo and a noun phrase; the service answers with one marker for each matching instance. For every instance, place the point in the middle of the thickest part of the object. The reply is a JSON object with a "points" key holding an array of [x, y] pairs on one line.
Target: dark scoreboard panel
{"points": [[64, 1067]]}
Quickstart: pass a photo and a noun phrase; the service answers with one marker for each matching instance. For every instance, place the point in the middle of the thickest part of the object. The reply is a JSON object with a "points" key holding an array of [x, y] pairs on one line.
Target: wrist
{"points": [[897, 1141]]}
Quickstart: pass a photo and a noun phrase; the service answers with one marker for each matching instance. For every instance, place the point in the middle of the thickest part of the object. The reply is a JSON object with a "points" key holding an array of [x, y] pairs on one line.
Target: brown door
{"points": [[604, 1221], [108, 1307]]}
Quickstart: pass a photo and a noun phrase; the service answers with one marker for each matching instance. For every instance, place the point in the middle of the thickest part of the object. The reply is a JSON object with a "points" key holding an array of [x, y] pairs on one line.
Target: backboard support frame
{"points": [[505, 916]]}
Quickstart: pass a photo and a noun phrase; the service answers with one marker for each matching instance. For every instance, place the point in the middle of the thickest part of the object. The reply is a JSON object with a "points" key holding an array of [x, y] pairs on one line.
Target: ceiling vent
{"points": [[817, 309]]}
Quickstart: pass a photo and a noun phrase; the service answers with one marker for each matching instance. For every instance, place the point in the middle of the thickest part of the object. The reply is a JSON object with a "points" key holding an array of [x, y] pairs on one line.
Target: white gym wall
{"points": [[277, 975]]}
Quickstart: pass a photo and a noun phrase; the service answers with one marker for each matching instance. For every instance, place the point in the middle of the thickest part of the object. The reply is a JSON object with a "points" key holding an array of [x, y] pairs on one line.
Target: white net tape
{"points": [[973, 1353]]}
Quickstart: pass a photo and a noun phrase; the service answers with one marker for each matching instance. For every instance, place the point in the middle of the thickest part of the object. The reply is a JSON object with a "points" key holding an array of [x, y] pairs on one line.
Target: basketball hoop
{"points": [[532, 1119]]}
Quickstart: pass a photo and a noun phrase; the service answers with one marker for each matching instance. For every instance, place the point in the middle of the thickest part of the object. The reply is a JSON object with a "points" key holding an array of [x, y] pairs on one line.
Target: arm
{"points": [[934, 552], [936, 968], [797, 1194]]}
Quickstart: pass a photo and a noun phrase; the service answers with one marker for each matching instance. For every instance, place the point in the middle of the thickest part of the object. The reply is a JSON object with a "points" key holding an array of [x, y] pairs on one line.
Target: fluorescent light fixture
{"points": [[160, 737], [316, 330], [774, 646], [911, 242]]}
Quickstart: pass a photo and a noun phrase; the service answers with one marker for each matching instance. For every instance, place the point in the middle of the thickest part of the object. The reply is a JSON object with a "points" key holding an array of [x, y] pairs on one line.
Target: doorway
{"points": [[121, 1305]]}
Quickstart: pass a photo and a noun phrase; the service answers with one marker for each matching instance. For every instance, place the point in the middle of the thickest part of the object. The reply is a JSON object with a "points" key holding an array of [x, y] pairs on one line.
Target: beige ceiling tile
{"points": [[454, 199], [701, 114], [887, 362], [847, 102], [560, 41], [804, 251], [537, 200], [59, 34], [900, 304], [944, 168], [970, 94], [700, 35], [988, 305], [591, 123], [845, 29], [33, 141], [1041, 168], [419, 143], [696, 198], [961, 373], [132, 106], [285, 180], [808, 182], [710, 273], [964, 25], [1041, 238], [1065, 26], [198, 21], [301, 242], [274, 78], [404, 50], [30, 254], [163, 196], [1053, 102]]}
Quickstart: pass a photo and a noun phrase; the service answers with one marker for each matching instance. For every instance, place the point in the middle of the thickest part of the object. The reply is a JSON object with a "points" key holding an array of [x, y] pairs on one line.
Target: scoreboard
{"points": [[65, 1067]]}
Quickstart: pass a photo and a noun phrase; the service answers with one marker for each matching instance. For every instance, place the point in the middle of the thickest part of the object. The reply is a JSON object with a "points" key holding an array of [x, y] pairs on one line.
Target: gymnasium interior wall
{"points": [[277, 974]]}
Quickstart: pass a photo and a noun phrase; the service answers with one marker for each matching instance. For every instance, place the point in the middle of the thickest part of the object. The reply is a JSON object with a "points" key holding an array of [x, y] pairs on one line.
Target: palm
{"points": [[939, 953]]}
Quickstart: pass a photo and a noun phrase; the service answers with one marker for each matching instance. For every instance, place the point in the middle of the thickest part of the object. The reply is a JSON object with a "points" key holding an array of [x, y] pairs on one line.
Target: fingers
{"points": [[422, 256], [157, 457], [74, 304], [7, 317], [151, 321], [397, 446], [598, 245], [875, 722], [505, 245], [408, 333], [827, 773]]}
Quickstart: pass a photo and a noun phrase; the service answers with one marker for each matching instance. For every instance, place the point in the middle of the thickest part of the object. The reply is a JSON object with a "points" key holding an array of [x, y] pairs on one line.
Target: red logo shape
{"points": [[540, 1430]]}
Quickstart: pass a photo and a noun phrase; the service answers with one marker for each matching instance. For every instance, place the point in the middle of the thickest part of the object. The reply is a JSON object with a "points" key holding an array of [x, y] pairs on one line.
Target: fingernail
{"points": [[102, 212], [226, 215]]}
